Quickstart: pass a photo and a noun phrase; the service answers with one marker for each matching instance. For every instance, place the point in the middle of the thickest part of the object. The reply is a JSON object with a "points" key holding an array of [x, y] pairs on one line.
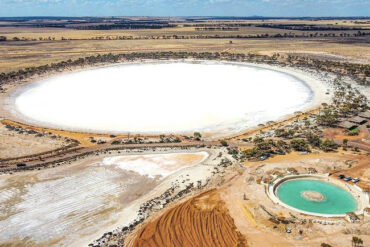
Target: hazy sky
{"points": [[184, 7]]}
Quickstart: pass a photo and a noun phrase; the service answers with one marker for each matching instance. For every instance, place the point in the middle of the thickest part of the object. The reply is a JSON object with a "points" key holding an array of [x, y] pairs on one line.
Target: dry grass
{"points": [[83, 138], [58, 33], [13, 144], [19, 54]]}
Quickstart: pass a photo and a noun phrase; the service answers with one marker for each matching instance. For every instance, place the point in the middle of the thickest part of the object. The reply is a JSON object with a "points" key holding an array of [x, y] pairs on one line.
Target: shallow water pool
{"points": [[333, 199]]}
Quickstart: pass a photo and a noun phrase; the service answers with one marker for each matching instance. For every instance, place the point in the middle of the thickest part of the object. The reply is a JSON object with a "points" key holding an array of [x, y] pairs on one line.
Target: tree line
{"points": [[200, 36], [306, 27]]}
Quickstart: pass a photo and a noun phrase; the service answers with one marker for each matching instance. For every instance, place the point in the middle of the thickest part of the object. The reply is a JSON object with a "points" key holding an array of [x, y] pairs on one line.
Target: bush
{"points": [[252, 153], [177, 139], [224, 143], [232, 151], [328, 117], [357, 242], [325, 245], [197, 136], [328, 145], [285, 134], [313, 139], [299, 145], [21, 165], [345, 142], [258, 140], [353, 132]]}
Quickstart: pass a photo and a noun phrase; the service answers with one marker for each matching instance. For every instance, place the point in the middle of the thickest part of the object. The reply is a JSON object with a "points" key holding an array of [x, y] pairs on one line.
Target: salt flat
{"points": [[163, 97], [154, 165], [63, 205]]}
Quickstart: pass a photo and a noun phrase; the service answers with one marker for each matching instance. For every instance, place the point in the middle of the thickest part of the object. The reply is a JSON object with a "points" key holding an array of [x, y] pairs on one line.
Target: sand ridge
{"points": [[202, 219]]}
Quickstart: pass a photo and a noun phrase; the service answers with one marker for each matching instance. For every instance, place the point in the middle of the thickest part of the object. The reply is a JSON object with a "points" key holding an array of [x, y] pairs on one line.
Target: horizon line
{"points": [[180, 16]]}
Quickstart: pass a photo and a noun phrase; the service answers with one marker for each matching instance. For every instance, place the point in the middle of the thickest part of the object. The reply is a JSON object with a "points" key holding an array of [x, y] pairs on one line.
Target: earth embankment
{"points": [[202, 220]]}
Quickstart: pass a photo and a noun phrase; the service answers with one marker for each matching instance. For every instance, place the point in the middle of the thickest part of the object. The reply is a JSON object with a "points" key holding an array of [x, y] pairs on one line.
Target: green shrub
{"points": [[328, 145], [345, 142], [313, 139], [224, 143], [353, 132], [197, 136], [299, 145]]}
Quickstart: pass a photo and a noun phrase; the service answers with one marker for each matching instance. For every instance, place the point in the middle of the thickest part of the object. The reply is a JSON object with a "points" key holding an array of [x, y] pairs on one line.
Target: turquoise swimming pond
{"points": [[316, 196]]}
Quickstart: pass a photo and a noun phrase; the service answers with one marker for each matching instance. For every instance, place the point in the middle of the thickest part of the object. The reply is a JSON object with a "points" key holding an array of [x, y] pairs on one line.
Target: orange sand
{"points": [[201, 219]]}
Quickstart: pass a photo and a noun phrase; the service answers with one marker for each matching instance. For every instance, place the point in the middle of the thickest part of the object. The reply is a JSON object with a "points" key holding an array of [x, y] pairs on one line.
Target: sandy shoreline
{"points": [[314, 82]]}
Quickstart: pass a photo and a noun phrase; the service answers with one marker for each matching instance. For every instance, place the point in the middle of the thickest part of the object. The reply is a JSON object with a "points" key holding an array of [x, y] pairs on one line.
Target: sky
{"points": [[277, 8]]}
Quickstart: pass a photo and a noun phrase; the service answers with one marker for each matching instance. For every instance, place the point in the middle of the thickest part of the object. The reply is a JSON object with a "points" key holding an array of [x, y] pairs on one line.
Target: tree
{"points": [[353, 132], [299, 145], [258, 140], [224, 143], [327, 117], [328, 145], [282, 145], [345, 142], [197, 136], [357, 242], [313, 139]]}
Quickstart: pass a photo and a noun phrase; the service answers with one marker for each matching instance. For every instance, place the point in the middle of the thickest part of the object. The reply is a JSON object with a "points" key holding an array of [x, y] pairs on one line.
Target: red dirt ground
{"points": [[202, 219]]}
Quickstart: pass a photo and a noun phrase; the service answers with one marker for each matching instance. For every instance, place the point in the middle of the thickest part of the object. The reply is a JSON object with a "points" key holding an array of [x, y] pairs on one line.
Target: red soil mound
{"points": [[200, 221]]}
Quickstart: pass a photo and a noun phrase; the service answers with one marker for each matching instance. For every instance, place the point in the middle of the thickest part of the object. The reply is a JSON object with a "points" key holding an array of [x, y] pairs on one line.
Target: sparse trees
{"points": [[300, 145], [313, 139], [357, 242], [328, 117], [328, 145]]}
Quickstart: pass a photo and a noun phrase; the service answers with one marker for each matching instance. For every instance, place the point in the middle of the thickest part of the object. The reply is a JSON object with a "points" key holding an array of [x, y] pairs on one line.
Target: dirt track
{"points": [[202, 219]]}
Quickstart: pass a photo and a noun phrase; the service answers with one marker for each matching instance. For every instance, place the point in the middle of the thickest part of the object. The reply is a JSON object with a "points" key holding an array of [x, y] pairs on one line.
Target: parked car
{"points": [[265, 156], [341, 176], [355, 180], [347, 179]]}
